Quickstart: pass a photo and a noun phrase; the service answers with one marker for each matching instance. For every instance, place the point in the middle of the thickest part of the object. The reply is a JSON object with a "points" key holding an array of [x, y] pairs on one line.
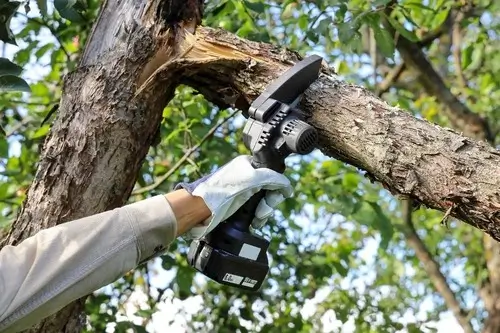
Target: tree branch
{"points": [[435, 166], [459, 115], [392, 77], [457, 52], [398, 70], [433, 269]]}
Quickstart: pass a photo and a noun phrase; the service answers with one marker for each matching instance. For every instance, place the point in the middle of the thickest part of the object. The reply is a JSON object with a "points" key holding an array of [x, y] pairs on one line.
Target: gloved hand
{"points": [[228, 188]]}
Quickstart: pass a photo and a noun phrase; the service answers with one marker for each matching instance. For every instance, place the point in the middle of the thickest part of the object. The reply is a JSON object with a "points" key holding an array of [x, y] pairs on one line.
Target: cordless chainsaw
{"points": [[231, 254]]}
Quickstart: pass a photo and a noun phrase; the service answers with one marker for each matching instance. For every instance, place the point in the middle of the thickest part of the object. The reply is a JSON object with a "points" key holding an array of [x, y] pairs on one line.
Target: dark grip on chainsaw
{"points": [[243, 217]]}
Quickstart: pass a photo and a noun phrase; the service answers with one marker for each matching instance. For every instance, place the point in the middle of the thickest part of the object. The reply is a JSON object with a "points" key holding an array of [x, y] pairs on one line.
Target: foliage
{"points": [[340, 254]]}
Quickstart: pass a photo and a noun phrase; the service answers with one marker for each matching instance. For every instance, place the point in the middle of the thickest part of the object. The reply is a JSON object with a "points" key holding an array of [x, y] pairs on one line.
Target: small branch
{"points": [[444, 220], [433, 269], [181, 161], [394, 75], [313, 23], [459, 115], [457, 52], [373, 54], [26, 120], [391, 77], [46, 24], [28, 103]]}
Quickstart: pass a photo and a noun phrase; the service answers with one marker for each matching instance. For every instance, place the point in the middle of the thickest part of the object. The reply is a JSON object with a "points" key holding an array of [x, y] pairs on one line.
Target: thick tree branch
{"points": [[435, 166], [433, 270], [459, 115]]}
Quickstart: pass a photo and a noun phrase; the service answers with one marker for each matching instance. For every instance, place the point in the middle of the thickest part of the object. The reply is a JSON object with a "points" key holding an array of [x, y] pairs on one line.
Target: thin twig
{"points": [[19, 125], [17, 101], [46, 24], [180, 162], [432, 268], [457, 53], [447, 214], [313, 23], [391, 77]]}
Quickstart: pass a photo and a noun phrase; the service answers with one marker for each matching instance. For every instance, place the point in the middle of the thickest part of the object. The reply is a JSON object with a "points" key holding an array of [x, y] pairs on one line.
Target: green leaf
{"points": [[7, 10], [419, 5], [61, 4], [41, 132], [13, 83], [217, 10], [384, 41], [340, 268], [4, 147], [42, 5], [380, 2], [410, 35], [257, 7], [9, 68], [467, 56], [145, 313], [350, 181], [42, 50], [184, 279], [340, 13], [346, 32], [2, 131], [476, 57], [383, 224], [440, 17], [67, 10]]}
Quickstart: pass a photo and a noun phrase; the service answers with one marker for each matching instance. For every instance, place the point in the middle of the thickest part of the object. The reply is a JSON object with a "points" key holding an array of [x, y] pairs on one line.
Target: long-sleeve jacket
{"points": [[58, 265]]}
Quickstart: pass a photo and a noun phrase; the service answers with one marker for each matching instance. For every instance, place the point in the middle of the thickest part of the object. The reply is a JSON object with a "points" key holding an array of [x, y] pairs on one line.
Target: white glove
{"points": [[228, 188]]}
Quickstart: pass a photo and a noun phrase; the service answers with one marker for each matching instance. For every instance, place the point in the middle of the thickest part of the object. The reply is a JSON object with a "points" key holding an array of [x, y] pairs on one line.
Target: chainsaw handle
{"points": [[243, 217]]}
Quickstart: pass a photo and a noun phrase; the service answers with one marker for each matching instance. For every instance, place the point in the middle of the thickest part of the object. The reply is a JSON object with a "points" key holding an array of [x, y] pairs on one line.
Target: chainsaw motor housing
{"points": [[231, 254]]}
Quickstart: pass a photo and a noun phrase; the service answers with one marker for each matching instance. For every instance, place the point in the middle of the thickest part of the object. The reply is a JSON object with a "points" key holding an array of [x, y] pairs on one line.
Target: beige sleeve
{"points": [[58, 265]]}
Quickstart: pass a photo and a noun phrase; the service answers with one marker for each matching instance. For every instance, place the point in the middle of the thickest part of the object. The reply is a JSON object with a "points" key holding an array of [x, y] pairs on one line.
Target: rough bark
{"points": [[435, 166], [140, 50]]}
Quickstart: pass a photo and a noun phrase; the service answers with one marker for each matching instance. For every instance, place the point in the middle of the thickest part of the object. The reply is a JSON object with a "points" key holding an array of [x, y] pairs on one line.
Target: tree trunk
{"points": [[140, 51], [102, 132]]}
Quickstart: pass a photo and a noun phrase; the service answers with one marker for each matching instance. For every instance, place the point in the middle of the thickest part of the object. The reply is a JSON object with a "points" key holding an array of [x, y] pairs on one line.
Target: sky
{"points": [[170, 309]]}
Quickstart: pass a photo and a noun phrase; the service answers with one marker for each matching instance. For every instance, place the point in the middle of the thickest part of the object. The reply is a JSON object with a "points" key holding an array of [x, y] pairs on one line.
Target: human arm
{"points": [[61, 264], [58, 265]]}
